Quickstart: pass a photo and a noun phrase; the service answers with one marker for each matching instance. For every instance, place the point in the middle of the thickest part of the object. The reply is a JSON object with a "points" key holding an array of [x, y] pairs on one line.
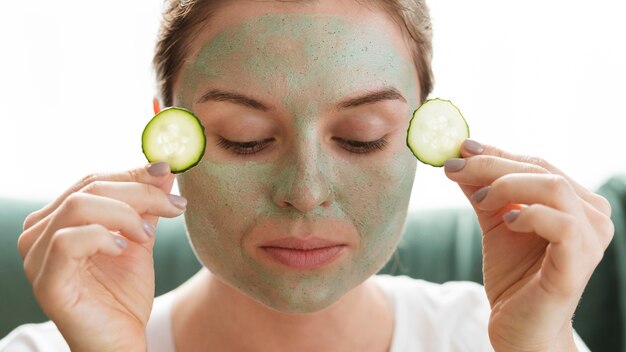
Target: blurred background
{"points": [[545, 78]]}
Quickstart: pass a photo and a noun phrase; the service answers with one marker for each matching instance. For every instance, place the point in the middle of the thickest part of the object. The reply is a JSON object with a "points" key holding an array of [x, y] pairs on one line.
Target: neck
{"points": [[208, 313]]}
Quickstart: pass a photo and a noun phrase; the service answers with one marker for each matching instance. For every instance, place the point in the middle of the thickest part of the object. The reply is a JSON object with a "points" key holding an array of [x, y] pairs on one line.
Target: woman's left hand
{"points": [[543, 236]]}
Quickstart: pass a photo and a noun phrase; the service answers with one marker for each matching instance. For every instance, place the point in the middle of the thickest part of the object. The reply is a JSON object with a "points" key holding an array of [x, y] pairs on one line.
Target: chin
{"points": [[301, 292], [301, 303]]}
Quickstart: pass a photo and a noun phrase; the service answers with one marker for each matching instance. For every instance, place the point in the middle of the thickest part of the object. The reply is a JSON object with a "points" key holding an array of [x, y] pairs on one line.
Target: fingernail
{"points": [[178, 201], [454, 165], [150, 231], [120, 242], [479, 195], [159, 169], [511, 216], [473, 147]]}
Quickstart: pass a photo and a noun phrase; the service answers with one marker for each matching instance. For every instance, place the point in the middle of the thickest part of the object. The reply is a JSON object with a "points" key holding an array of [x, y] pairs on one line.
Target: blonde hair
{"points": [[183, 18]]}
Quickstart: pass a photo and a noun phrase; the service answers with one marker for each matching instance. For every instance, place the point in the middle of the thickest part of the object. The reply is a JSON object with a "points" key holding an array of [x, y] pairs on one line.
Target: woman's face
{"points": [[303, 81]]}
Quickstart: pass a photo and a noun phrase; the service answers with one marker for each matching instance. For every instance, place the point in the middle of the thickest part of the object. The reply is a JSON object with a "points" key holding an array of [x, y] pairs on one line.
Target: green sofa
{"points": [[438, 246]]}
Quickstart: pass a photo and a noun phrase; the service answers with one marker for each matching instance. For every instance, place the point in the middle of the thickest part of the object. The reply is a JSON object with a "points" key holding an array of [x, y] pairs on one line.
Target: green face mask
{"points": [[303, 64]]}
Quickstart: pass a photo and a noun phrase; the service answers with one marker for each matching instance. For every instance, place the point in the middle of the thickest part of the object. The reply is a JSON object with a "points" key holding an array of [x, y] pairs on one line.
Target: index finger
{"points": [[157, 174], [471, 148]]}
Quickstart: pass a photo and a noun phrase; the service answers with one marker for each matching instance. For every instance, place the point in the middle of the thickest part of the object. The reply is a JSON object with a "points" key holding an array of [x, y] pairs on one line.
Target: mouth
{"points": [[297, 253]]}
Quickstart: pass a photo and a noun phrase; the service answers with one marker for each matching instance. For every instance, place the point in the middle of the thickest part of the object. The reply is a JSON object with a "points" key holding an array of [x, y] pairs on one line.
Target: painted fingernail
{"points": [[511, 216], [150, 231], [178, 201], [473, 147], [159, 169], [454, 165], [120, 242], [479, 195]]}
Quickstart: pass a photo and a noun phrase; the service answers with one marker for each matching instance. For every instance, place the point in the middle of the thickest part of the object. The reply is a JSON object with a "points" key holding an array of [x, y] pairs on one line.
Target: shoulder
{"points": [[44, 337], [452, 316], [445, 296], [34, 337]]}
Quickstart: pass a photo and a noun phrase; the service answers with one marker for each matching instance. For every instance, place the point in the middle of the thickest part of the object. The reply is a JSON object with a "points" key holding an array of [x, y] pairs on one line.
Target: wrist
{"points": [[563, 342], [130, 348], [136, 345]]}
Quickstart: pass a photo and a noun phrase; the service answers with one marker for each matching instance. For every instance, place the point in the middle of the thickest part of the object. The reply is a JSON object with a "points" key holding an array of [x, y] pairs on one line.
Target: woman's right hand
{"points": [[88, 256]]}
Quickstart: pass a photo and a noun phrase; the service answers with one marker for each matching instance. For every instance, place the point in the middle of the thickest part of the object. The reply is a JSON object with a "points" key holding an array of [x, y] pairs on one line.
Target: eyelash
{"points": [[243, 147], [357, 147]]}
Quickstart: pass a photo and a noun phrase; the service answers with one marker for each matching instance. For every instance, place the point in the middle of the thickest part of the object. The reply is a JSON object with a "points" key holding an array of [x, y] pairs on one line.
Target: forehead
{"points": [[300, 54]]}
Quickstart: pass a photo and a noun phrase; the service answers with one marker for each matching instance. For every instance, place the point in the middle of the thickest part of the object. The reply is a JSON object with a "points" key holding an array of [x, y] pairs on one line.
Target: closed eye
{"points": [[243, 148], [252, 147], [362, 147]]}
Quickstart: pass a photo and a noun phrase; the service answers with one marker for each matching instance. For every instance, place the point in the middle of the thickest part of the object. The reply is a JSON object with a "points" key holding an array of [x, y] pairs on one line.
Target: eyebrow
{"points": [[236, 98], [388, 93]]}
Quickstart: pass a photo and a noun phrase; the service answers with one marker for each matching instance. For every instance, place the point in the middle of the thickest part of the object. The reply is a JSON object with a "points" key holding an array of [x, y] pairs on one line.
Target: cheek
{"points": [[377, 203], [223, 202]]}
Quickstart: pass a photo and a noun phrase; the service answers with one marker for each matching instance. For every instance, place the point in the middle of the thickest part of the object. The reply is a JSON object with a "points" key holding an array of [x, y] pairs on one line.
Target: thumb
{"points": [[163, 179]]}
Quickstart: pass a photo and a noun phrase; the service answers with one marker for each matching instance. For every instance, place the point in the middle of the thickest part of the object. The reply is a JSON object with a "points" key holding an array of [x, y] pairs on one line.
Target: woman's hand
{"points": [[88, 256], [543, 236]]}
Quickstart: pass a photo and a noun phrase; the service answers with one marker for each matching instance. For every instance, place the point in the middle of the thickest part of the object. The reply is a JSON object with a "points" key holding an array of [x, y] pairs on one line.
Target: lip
{"points": [[304, 258], [299, 253], [302, 244]]}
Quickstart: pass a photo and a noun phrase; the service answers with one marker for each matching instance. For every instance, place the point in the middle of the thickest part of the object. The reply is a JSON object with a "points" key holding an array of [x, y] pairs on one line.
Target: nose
{"points": [[303, 181]]}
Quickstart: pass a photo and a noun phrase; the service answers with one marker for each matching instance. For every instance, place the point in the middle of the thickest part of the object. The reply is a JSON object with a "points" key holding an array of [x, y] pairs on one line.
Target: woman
{"points": [[301, 198]]}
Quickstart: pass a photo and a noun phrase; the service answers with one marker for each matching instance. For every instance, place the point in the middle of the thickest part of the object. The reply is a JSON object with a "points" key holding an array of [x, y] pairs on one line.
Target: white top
{"points": [[428, 317]]}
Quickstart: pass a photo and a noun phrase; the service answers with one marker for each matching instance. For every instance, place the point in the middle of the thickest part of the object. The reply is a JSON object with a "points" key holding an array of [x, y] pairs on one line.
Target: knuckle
{"points": [[127, 208], [604, 204], [95, 187], [23, 245], [30, 220], [86, 180], [95, 228], [506, 182], [558, 186], [59, 243], [134, 174], [535, 169], [538, 161], [100, 233], [486, 161], [34, 217], [532, 210], [73, 203], [129, 215]]}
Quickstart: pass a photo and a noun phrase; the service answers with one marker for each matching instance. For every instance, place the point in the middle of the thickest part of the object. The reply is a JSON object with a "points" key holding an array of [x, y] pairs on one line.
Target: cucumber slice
{"points": [[174, 135], [436, 132]]}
